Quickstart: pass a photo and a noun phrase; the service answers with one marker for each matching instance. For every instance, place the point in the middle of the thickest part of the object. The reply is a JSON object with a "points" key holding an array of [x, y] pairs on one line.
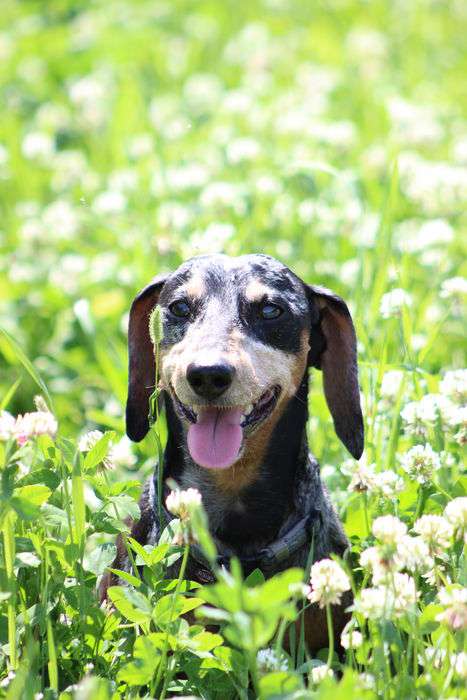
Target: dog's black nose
{"points": [[210, 381]]}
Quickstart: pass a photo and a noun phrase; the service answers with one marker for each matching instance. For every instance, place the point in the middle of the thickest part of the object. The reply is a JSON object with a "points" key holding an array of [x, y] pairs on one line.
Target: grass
{"points": [[329, 134]]}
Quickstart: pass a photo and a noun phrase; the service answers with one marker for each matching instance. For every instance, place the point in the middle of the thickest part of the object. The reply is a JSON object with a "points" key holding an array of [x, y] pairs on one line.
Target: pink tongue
{"points": [[214, 440]]}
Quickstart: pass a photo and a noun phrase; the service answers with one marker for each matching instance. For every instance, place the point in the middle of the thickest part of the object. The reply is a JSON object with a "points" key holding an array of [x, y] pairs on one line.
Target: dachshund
{"points": [[239, 337]]}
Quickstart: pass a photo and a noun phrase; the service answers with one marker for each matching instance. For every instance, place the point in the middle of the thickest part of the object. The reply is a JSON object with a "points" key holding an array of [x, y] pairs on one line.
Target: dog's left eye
{"points": [[270, 311], [180, 309]]}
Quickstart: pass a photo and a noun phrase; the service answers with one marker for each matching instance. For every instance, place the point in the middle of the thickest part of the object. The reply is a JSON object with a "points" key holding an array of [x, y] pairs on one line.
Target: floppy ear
{"points": [[333, 349], [141, 360]]}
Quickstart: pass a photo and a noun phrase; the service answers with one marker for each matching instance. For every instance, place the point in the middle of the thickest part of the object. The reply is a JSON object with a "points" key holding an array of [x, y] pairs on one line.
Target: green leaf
{"points": [[15, 352], [98, 452], [131, 604], [167, 609], [27, 500], [278, 684], [100, 558], [129, 578], [146, 659]]}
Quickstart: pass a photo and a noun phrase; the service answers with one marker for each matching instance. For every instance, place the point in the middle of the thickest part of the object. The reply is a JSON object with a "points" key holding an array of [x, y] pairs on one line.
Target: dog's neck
{"points": [[251, 516]]}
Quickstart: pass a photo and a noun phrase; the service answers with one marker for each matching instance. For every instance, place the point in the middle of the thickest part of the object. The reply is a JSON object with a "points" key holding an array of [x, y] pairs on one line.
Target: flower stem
{"points": [[330, 635]]}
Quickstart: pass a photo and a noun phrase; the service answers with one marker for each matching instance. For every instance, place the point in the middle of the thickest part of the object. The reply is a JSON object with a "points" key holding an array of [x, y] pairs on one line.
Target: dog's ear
{"points": [[141, 359], [333, 349]]}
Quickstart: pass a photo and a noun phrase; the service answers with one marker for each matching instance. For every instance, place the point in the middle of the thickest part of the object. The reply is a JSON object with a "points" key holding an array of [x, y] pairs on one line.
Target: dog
{"points": [[239, 336]]}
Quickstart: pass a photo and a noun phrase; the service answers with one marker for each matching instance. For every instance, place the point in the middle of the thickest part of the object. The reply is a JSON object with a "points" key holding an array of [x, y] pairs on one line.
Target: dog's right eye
{"points": [[180, 309]]}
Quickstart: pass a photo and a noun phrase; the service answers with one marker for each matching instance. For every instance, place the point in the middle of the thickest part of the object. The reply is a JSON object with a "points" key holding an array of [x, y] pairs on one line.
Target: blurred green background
{"points": [[134, 135]]}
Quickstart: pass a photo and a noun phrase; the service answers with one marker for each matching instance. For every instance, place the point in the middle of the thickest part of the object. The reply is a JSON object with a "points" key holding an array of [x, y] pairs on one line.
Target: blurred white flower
{"points": [[7, 425], [173, 216], [388, 529], [186, 177], [60, 220], [140, 145], [121, 453], [351, 638], [211, 240], [414, 124], [319, 673], [454, 383], [393, 599], [87, 442], [436, 531], [437, 187], [453, 287], [33, 424], [223, 194], [392, 302], [459, 662], [110, 202], [418, 416], [420, 462], [456, 514], [267, 660], [454, 602], [38, 145], [390, 385], [242, 149], [387, 484], [328, 582]]}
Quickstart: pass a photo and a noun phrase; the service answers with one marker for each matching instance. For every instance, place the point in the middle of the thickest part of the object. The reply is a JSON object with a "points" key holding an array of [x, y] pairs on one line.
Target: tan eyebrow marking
{"points": [[195, 286], [256, 290]]}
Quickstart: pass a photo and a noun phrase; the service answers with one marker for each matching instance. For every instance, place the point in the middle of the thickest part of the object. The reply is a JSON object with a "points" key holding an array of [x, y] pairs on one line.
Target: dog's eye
{"points": [[180, 309], [270, 311]]}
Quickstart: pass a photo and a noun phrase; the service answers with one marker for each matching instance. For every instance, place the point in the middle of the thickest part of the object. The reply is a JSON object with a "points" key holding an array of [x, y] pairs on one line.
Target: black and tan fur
{"points": [[252, 502]]}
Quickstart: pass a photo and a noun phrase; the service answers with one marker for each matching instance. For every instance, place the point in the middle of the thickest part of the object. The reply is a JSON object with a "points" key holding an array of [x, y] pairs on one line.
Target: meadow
{"points": [[329, 134]]}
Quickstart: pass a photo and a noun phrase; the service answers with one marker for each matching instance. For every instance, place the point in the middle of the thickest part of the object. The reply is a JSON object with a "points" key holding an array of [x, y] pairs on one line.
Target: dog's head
{"points": [[239, 334]]}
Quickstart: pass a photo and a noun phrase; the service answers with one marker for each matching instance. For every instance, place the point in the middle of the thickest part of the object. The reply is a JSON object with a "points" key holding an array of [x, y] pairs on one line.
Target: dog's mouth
{"points": [[216, 432]]}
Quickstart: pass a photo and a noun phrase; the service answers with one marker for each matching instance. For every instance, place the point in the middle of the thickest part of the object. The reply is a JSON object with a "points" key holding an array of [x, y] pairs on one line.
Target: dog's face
{"points": [[239, 334]]}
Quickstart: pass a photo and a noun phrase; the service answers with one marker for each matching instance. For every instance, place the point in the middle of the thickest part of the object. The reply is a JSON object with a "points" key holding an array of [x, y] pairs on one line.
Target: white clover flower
{"points": [[180, 503], [454, 385], [459, 663], [328, 582], [375, 603], [351, 638], [456, 423], [87, 442], [121, 453], [420, 462], [7, 425], [212, 240], [380, 564], [456, 514], [405, 594], [418, 416], [454, 602], [392, 302], [434, 656], [390, 385], [319, 673], [389, 529], [453, 287], [363, 478], [223, 195], [267, 660], [33, 424], [89, 439], [413, 554], [187, 177], [436, 531], [388, 484]]}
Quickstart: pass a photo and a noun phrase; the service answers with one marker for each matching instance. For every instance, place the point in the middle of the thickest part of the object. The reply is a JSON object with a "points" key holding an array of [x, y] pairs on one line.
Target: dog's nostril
{"points": [[210, 381]]}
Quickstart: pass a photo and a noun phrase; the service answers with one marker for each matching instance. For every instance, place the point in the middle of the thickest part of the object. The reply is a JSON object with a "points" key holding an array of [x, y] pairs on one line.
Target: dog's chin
{"points": [[216, 433]]}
